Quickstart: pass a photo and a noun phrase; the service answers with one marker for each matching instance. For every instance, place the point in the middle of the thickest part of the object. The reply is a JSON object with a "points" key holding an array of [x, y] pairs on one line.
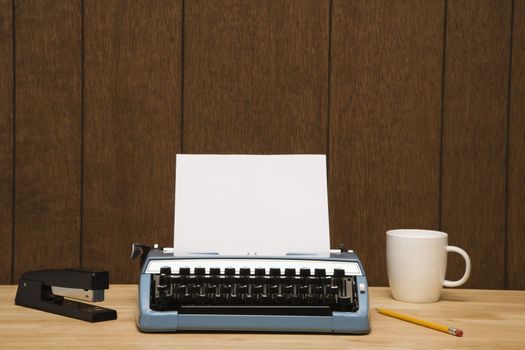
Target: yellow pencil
{"points": [[432, 325]]}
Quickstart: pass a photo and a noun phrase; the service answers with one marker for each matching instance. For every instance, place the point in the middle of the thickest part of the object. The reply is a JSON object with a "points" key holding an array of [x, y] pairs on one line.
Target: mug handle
{"points": [[465, 277]]}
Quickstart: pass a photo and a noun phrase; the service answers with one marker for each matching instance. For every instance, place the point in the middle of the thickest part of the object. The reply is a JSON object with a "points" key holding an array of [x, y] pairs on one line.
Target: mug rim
{"points": [[416, 233]]}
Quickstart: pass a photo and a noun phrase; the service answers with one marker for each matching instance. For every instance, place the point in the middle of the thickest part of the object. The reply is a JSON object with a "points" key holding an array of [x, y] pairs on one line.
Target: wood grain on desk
{"points": [[490, 319]]}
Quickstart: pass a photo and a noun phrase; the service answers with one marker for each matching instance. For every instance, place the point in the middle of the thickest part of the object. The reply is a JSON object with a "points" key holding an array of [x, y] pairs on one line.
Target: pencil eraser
{"points": [[459, 333]]}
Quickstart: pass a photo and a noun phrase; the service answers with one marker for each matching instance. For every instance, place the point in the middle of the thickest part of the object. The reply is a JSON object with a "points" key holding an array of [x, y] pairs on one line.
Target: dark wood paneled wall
{"points": [[48, 95], [384, 122], [256, 76], [132, 90], [418, 105], [474, 134]]}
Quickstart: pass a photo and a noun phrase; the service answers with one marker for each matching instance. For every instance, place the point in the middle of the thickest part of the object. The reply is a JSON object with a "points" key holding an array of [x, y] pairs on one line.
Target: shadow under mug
{"points": [[417, 263]]}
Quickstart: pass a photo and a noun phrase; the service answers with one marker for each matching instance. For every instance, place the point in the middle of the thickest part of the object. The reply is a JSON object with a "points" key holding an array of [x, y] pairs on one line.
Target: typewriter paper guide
{"points": [[251, 204]]}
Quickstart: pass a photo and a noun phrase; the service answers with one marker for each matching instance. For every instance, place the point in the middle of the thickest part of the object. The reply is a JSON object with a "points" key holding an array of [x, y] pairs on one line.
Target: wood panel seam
{"points": [[82, 121], [329, 95], [183, 23], [443, 68], [13, 202], [507, 142]]}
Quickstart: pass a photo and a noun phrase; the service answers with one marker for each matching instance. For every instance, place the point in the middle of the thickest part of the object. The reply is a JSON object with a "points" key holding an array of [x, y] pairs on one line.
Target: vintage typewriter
{"points": [[212, 292]]}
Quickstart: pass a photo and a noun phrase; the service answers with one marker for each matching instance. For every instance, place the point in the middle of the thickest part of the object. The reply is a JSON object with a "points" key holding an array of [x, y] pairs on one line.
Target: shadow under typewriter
{"points": [[206, 292]]}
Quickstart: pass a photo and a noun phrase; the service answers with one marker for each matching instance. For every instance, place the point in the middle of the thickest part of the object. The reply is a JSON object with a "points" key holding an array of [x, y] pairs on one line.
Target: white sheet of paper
{"points": [[251, 204]]}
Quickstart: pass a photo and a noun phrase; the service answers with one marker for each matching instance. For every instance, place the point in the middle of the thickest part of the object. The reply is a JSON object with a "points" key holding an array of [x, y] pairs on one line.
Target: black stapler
{"points": [[45, 290]]}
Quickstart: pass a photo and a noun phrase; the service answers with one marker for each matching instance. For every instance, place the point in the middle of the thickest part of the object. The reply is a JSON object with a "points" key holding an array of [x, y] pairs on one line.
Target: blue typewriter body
{"points": [[291, 293]]}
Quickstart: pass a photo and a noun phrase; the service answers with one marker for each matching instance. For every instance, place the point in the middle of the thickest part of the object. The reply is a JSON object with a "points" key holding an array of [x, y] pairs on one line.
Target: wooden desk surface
{"points": [[490, 319]]}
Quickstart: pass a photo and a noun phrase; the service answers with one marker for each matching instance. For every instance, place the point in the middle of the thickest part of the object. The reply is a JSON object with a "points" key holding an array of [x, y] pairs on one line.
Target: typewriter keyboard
{"points": [[258, 291]]}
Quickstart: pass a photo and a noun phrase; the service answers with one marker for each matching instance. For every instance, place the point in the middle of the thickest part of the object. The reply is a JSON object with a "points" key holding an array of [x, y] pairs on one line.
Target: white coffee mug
{"points": [[417, 263]]}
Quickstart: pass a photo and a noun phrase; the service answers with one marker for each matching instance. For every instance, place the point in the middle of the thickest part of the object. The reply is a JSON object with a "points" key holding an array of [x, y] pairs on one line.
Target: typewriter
{"points": [[290, 293]]}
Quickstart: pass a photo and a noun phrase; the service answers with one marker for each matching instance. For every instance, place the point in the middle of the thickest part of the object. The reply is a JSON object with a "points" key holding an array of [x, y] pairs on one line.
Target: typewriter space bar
{"points": [[257, 310]]}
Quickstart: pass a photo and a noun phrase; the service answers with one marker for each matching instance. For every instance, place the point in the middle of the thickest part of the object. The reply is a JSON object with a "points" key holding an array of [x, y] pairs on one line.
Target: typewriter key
{"points": [[288, 289], [163, 282], [296, 300], [339, 273], [320, 272], [243, 288], [312, 299], [332, 290], [317, 289], [200, 271], [194, 288], [264, 299], [244, 272], [289, 272], [165, 301], [229, 272], [184, 271], [202, 299], [180, 288], [235, 299], [344, 302], [273, 289], [165, 270], [187, 298], [226, 288], [219, 300], [305, 272], [259, 274], [329, 300]]}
